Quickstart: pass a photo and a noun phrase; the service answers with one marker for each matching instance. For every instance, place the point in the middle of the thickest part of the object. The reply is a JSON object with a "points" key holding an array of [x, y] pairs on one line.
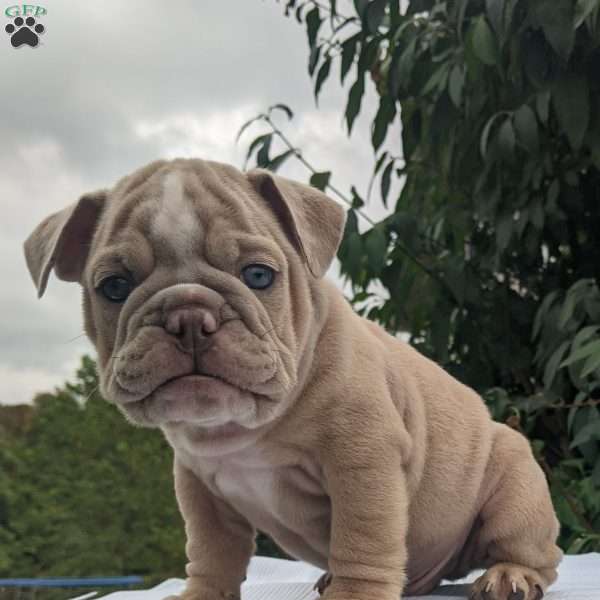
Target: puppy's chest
{"points": [[278, 495]]}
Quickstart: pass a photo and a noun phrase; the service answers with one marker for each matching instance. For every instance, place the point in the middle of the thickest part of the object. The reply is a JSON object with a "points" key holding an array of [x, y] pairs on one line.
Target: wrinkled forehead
{"points": [[178, 206]]}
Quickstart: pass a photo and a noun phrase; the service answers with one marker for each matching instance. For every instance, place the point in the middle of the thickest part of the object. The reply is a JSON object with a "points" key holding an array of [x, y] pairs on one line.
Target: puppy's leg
{"points": [[219, 545], [519, 527], [369, 507]]}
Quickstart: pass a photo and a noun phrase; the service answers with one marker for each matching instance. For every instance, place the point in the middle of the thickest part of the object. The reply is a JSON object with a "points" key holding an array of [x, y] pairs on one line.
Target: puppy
{"points": [[203, 293]]}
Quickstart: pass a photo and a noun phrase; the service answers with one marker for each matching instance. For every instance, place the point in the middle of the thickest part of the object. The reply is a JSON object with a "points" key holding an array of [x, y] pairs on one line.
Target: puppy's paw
{"points": [[507, 581], [197, 591]]}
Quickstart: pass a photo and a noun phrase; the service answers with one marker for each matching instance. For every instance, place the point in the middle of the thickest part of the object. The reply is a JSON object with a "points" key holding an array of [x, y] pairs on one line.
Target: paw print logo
{"points": [[24, 31]]}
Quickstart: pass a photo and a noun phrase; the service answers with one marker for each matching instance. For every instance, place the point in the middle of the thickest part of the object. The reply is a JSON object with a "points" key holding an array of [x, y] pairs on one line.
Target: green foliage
{"points": [[491, 255], [84, 493]]}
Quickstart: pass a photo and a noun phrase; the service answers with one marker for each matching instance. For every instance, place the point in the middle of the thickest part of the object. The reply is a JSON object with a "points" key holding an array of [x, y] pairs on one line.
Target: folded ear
{"points": [[62, 241], [313, 221]]}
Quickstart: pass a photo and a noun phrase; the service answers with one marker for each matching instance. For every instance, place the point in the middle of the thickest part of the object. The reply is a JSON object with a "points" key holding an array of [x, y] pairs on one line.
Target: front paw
{"points": [[506, 581], [201, 591]]}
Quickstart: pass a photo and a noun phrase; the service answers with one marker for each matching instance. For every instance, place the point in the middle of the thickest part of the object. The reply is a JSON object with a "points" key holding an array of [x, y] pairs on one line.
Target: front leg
{"points": [[369, 504], [220, 542]]}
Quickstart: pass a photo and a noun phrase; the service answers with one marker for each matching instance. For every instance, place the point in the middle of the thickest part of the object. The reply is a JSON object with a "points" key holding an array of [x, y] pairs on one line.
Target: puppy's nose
{"points": [[192, 326]]}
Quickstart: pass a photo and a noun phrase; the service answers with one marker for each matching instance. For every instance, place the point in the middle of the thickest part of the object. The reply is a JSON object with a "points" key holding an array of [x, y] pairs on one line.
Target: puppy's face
{"points": [[199, 284]]}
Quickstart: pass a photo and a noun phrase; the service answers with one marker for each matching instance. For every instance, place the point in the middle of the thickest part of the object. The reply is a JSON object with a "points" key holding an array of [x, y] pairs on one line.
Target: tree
{"points": [[84, 493], [490, 258]]}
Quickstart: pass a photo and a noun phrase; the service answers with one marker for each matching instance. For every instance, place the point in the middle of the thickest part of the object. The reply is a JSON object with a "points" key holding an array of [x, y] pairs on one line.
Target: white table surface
{"points": [[274, 579]]}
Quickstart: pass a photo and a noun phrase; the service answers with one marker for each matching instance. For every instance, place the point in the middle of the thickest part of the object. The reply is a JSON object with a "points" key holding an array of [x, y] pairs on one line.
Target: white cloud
{"points": [[210, 135], [20, 385]]}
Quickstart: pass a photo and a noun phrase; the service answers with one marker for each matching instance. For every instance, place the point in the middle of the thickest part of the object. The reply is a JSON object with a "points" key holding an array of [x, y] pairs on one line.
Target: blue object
{"points": [[67, 582]]}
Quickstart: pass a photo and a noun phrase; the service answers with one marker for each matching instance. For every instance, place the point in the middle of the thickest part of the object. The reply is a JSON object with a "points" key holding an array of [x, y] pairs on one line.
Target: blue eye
{"points": [[116, 289], [258, 277]]}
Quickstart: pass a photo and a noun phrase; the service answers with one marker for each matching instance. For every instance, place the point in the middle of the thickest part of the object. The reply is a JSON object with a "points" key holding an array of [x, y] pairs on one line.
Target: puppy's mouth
{"points": [[192, 380], [208, 401]]}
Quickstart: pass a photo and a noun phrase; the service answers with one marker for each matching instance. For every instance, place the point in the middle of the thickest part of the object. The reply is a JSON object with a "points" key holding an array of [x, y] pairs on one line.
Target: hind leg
{"points": [[518, 525]]}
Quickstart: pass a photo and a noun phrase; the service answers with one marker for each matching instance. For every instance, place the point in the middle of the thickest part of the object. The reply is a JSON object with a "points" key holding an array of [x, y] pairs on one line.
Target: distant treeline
{"points": [[84, 493]]}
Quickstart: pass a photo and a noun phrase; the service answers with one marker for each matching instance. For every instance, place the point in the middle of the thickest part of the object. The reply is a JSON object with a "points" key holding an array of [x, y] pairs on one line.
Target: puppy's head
{"points": [[200, 290]]}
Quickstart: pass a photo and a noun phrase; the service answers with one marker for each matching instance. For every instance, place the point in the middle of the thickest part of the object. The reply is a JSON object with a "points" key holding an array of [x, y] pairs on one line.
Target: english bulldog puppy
{"points": [[203, 293]]}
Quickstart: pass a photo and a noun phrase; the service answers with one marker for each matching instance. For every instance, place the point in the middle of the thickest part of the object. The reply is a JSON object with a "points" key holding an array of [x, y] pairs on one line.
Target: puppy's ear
{"points": [[62, 241], [313, 221]]}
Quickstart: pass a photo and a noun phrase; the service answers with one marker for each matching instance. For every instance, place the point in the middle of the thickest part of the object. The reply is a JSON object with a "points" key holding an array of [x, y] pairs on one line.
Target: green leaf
{"points": [[313, 23], [361, 7], [283, 107], [322, 75], [386, 178], [357, 201], [419, 6], [556, 17], [376, 248], [385, 115], [506, 138], [375, 13], [504, 229], [313, 59], [582, 352], [542, 105], [354, 100], [380, 162], [437, 80], [571, 100], [256, 143], [596, 475], [484, 42], [495, 10], [355, 253], [348, 54], [574, 296], [583, 9], [485, 135], [400, 72], [583, 335], [542, 312], [278, 160], [573, 412], [590, 365], [351, 222], [455, 277], [554, 364], [527, 128], [537, 215], [540, 62], [320, 180], [262, 156], [456, 84], [376, 170], [588, 432], [368, 55]]}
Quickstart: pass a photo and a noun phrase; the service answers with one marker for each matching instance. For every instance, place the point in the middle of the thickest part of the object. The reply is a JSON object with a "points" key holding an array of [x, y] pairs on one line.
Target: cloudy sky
{"points": [[115, 85]]}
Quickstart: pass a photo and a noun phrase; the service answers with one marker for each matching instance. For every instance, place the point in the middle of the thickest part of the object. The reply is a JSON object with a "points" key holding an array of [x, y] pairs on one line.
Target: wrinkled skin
{"points": [[235, 378]]}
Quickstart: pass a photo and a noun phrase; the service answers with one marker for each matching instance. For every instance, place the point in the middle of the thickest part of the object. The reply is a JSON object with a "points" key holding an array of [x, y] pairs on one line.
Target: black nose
{"points": [[192, 326]]}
